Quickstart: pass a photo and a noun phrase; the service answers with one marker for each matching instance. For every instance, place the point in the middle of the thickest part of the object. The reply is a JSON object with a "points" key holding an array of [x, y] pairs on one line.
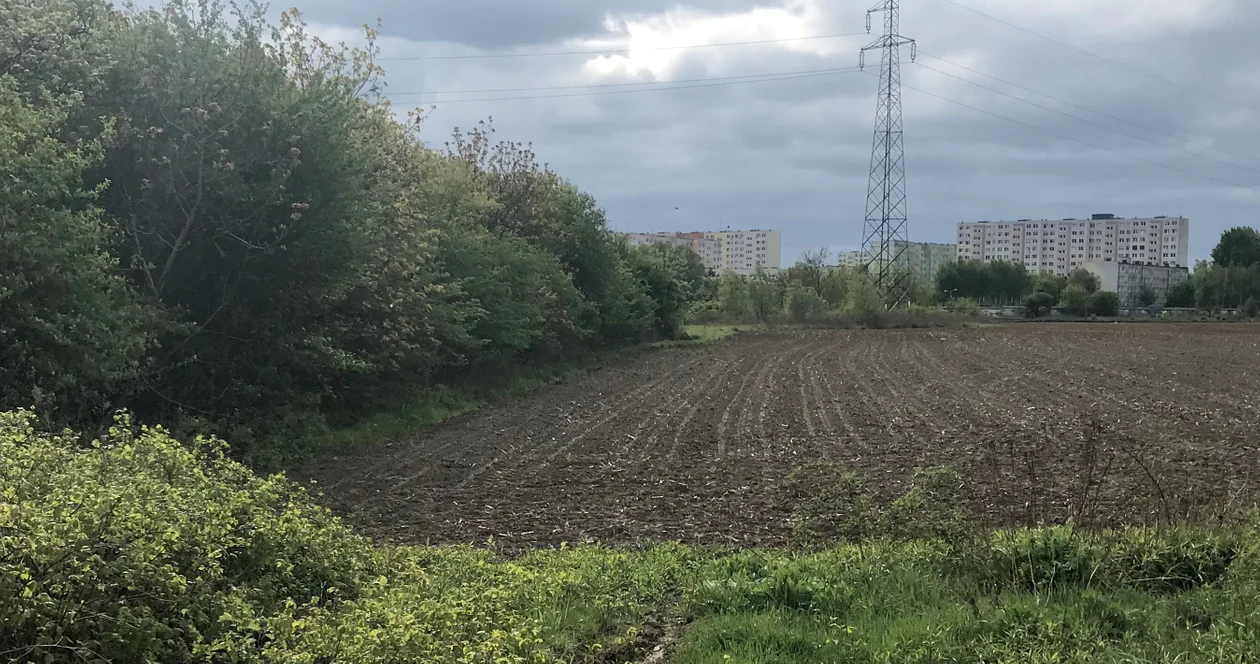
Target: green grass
{"points": [[909, 603], [711, 333]]}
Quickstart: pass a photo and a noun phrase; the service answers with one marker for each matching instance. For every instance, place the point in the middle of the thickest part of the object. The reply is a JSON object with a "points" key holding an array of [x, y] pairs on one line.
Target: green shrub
{"points": [[1251, 308], [966, 307], [139, 549], [1104, 303], [1075, 300], [1061, 557], [1038, 305], [804, 304]]}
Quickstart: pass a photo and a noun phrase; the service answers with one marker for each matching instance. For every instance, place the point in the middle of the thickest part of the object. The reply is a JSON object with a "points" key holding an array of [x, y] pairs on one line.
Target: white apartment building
{"points": [[741, 252], [745, 251], [852, 259], [1062, 246], [923, 259]]}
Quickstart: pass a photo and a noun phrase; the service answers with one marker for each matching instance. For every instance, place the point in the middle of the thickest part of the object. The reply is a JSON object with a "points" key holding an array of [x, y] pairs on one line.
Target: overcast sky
{"points": [[793, 155]]}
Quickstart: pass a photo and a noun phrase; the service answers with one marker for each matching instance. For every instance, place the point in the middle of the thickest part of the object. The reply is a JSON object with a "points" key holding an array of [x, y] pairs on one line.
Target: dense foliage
{"points": [[813, 292], [140, 548], [222, 224]]}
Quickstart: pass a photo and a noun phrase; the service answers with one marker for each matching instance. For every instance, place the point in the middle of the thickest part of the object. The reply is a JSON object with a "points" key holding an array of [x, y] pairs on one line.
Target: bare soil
{"points": [[1106, 424]]}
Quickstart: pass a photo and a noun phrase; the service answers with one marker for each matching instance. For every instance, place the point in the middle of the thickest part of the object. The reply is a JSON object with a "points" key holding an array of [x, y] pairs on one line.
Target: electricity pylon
{"points": [[886, 194]]}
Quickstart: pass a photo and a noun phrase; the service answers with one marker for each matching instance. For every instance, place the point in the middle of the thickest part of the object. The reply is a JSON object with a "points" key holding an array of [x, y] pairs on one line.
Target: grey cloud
{"points": [[501, 24], [794, 154]]}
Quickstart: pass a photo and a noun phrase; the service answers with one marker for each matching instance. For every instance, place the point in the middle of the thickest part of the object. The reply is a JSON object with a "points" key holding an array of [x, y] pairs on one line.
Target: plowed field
{"points": [[1102, 423]]}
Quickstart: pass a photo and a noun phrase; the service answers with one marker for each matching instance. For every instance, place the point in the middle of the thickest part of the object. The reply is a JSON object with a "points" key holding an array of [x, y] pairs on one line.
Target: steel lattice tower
{"points": [[886, 194]]}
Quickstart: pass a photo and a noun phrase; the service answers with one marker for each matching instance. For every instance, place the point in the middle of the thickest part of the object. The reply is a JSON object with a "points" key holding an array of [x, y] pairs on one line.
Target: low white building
{"points": [[1129, 280]]}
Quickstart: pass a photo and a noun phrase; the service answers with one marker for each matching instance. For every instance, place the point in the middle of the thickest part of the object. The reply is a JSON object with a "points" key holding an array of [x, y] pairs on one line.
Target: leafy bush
{"points": [[804, 304], [72, 333], [1251, 308], [1104, 303], [966, 307], [1038, 305], [257, 247], [864, 305], [1181, 295], [137, 548], [1075, 301], [1085, 279]]}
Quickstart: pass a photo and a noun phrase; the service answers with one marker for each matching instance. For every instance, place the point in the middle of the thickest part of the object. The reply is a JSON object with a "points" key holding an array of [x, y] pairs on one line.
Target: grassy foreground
{"points": [[138, 548]]}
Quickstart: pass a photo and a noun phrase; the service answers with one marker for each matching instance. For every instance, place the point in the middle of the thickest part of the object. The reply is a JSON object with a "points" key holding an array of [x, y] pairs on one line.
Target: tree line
{"points": [[213, 220], [1005, 283], [1231, 280], [811, 291]]}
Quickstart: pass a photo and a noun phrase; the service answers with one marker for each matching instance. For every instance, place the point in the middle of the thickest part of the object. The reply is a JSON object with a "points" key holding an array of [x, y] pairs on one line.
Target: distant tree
{"points": [[1239, 247], [733, 295], [864, 303], [684, 266], [1046, 282], [1038, 304], [964, 279], [667, 292], [1219, 287], [1181, 295], [1008, 281], [1251, 308], [764, 295], [1075, 300], [835, 286], [1147, 297], [919, 291], [1085, 279], [803, 304], [1104, 303], [811, 269]]}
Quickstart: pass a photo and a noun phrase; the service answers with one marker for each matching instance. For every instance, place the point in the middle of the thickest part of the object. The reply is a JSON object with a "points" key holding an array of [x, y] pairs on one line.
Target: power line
{"points": [[1091, 110], [1077, 140], [495, 56], [618, 85], [660, 89], [1091, 53], [1085, 120]]}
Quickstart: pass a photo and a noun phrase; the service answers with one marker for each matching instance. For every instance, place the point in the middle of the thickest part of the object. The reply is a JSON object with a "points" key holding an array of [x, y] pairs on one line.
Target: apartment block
{"points": [[741, 252], [745, 251], [1060, 247], [852, 259], [923, 259], [1128, 280]]}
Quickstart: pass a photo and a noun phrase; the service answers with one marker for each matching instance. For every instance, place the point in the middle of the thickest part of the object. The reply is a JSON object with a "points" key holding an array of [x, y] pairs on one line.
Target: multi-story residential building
{"points": [[1062, 246], [852, 259], [745, 251], [923, 259], [741, 252], [1128, 280]]}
